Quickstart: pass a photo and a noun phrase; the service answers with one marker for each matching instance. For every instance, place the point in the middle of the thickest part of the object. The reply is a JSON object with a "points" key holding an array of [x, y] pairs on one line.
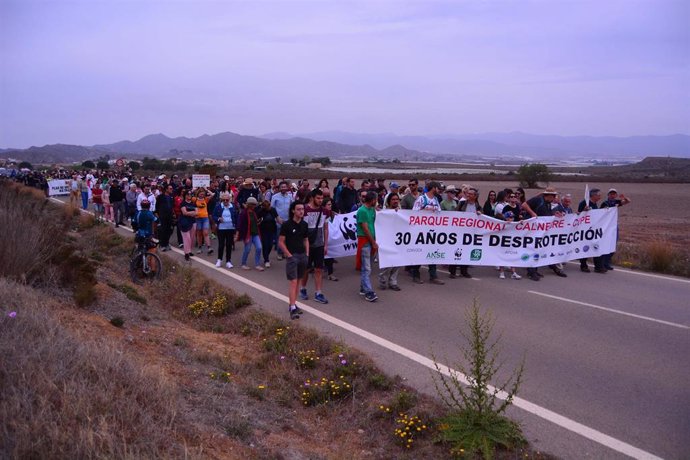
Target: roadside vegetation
{"points": [[95, 366]]}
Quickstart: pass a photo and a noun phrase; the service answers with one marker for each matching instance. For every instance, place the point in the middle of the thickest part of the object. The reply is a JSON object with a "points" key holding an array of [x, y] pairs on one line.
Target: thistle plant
{"points": [[475, 422]]}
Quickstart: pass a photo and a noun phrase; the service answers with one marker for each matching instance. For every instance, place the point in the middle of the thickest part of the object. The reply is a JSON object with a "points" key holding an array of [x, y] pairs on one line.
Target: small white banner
{"points": [[459, 238], [201, 180], [342, 236], [58, 187]]}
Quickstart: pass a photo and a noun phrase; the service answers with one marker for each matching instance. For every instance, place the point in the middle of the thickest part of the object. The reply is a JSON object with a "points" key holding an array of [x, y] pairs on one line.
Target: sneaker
{"points": [[164, 249], [534, 277], [332, 278], [395, 287], [361, 292], [219, 263], [198, 251], [180, 245], [585, 269], [228, 265], [260, 268], [267, 265], [608, 267], [515, 276], [213, 236], [191, 254], [246, 267], [303, 294], [370, 297], [210, 251], [293, 313], [168, 248], [436, 281], [280, 257], [502, 275], [298, 310], [560, 273], [320, 298]]}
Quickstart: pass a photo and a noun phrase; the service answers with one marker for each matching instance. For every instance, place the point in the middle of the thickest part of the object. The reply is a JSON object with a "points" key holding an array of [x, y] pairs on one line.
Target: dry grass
{"points": [[655, 255], [29, 222], [660, 255], [68, 397]]}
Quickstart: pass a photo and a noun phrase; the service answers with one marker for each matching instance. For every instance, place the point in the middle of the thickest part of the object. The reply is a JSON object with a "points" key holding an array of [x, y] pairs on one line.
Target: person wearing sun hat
{"points": [[612, 200], [540, 205], [247, 190]]}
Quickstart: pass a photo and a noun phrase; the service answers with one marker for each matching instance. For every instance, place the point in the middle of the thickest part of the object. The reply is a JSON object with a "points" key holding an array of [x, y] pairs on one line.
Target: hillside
{"points": [[229, 144], [650, 167]]}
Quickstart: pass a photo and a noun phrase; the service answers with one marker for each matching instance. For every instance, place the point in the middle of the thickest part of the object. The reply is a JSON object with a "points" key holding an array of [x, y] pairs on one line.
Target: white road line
{"points": [[611, 310], [568, 424], [648, 275]]}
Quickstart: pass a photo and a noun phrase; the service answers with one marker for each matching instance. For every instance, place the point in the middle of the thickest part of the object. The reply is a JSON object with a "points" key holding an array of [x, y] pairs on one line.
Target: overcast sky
{"points": [[103, 71]]}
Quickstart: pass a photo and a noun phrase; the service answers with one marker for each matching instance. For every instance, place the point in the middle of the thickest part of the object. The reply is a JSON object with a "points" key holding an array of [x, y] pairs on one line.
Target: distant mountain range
{"points": [[516, 144], [338, 144]]}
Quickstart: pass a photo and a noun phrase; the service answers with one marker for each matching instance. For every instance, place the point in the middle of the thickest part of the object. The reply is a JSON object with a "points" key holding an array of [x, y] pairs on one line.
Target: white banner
{"points": [[201, 180], [342, 236], [58, 187], [460, 238]]}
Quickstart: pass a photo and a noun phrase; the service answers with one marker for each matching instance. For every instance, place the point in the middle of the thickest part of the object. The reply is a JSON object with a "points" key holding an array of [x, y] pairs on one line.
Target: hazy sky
{"points": [[103, 71]]}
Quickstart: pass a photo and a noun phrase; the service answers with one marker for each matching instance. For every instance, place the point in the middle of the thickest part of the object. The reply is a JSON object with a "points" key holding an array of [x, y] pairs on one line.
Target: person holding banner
{"points": [[592, 203], [388, 277], [427, 201], [330, 261], [366, 244], [294, 243], [612, 201], [540, 205]]}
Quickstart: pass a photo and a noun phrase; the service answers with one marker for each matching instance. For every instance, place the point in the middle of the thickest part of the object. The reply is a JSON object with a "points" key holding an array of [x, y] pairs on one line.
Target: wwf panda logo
{"points": [[348, 227]]}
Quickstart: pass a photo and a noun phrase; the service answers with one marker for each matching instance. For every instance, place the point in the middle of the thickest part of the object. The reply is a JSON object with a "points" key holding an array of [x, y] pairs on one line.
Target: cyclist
{"points": [[144, 220]]}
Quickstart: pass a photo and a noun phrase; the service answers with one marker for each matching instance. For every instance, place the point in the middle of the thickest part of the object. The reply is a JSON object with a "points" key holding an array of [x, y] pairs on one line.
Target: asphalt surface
{"points": [[607, 355]]}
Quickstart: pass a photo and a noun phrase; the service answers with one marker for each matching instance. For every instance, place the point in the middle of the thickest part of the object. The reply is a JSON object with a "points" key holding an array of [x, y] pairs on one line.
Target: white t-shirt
{"points": [[424, 203]]}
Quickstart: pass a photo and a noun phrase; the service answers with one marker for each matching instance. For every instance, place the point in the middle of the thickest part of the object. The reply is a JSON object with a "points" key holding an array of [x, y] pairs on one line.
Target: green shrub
{"points": [[475, 423]]}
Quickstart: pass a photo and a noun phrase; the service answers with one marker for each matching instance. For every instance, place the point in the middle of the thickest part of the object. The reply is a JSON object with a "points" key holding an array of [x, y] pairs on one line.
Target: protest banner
{"points": [[342, 236], [58, 187], [460, 238], [201, 180]]}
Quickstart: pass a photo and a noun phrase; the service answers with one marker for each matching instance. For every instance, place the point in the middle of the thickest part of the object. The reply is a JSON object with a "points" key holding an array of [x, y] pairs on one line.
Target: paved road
{"points": [[607, 355]]}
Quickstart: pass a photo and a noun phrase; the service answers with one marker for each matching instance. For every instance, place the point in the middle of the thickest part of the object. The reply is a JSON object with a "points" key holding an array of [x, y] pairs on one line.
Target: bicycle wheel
{"points": [[146, 266]]}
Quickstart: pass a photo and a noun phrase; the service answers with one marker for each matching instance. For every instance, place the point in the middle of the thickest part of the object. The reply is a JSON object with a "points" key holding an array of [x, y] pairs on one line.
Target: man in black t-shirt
{"points": [[294, 242], [540, 205]]}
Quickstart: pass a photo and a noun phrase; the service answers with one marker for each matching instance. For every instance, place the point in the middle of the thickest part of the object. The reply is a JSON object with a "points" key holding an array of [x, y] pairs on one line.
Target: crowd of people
{"points": [[292, 219]]}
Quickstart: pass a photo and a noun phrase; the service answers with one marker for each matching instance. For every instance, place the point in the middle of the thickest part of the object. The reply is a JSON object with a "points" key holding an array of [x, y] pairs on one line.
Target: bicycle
{"points": [[145, 265]]}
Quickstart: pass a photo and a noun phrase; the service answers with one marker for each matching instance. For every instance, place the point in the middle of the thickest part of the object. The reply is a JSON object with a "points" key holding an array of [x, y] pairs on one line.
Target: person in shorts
{"points": [[316, 217], [294, 242]]}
